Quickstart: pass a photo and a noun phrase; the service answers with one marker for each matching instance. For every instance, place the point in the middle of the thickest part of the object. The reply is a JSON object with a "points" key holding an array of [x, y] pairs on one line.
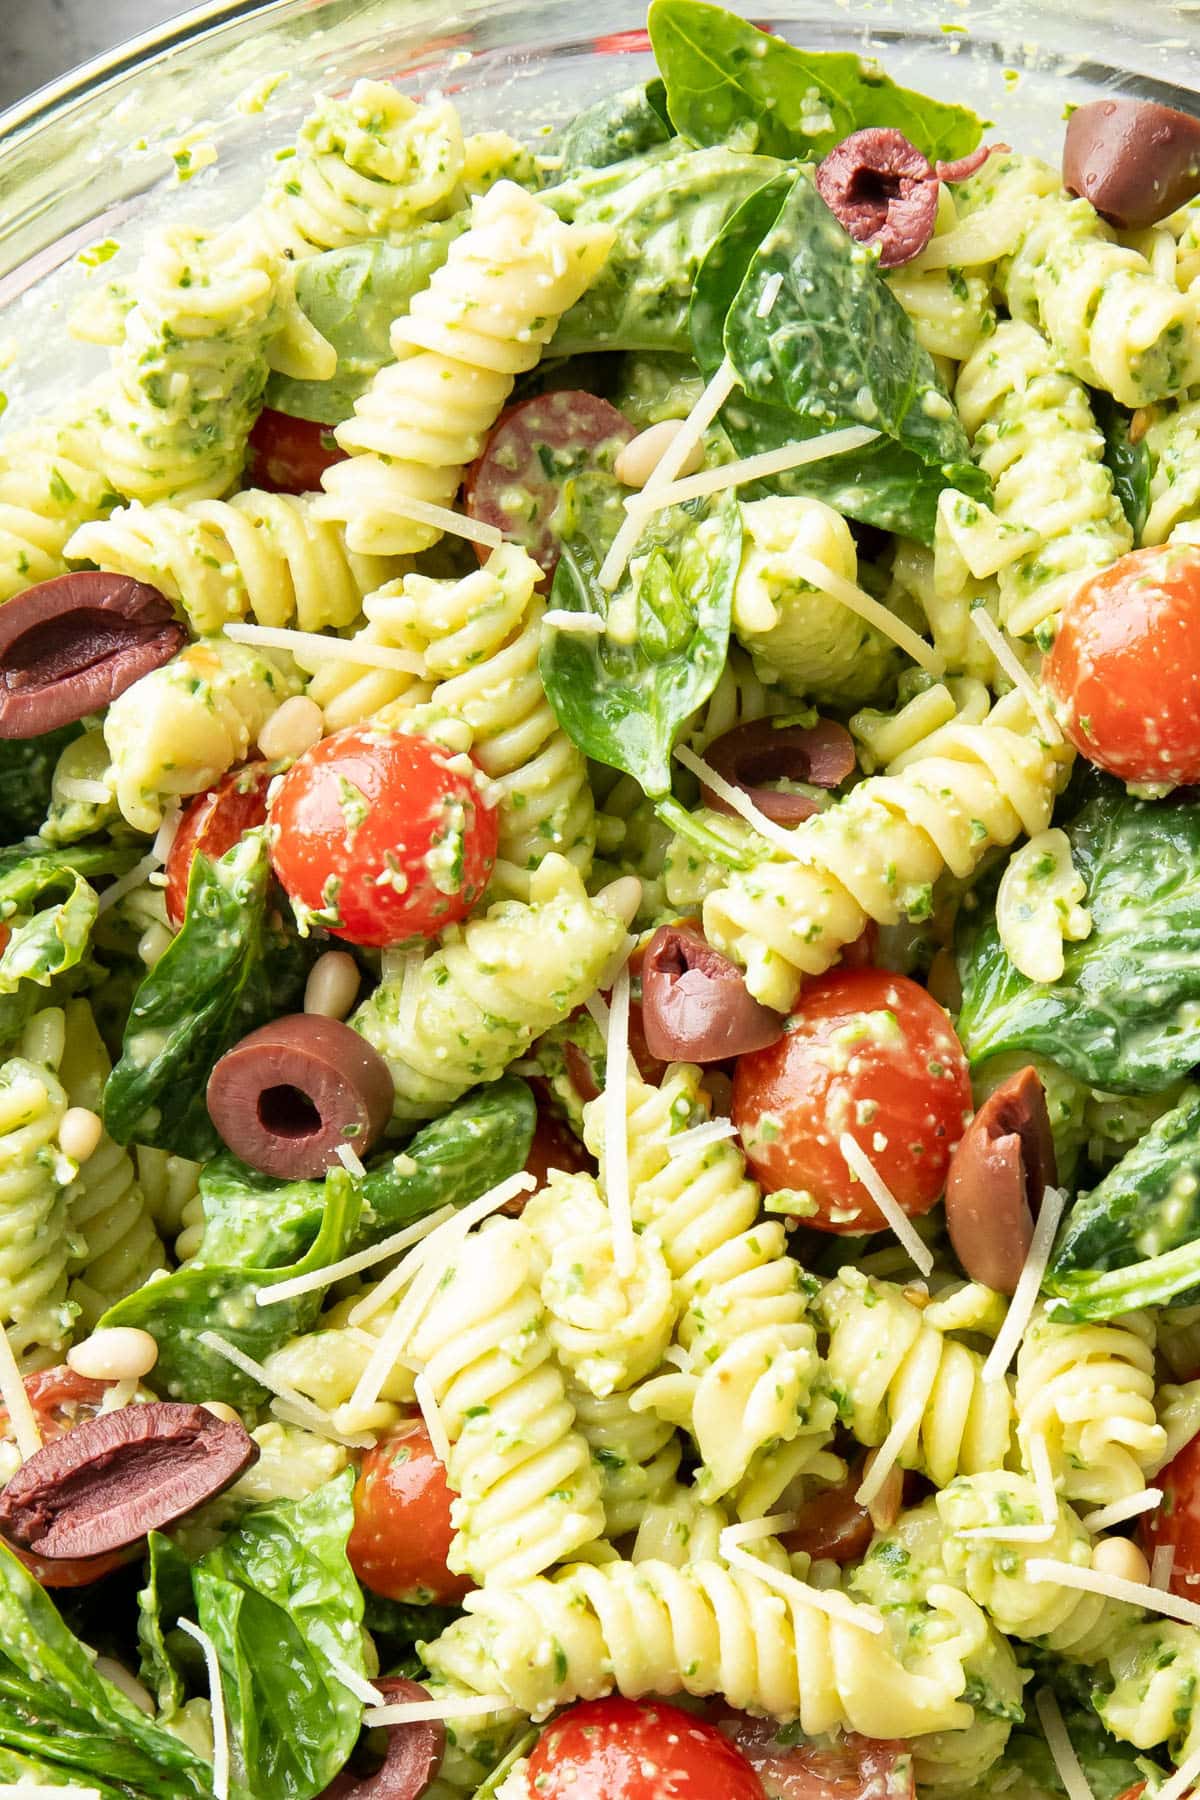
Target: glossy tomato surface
{"points": [[637, 1750], [869, 1054], [852, 1768], [401, 1534], [213, 823], [1176, 1523], [383, 836], [289, 456], [1124, 671]]}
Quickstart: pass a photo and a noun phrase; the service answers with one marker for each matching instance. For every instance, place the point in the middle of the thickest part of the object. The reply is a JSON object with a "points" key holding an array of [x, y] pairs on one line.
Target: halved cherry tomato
{"points": [[5, 934], [869, 1054], [637, 1750], [289, 456], [855, 1768], [517, 483], [1176, 1522], [401, 1535], [62, 1399], [383, 835], [213, 822], [1125, 667]]}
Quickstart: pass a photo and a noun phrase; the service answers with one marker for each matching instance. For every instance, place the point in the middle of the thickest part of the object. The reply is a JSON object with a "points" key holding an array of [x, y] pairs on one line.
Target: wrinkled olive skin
{"points": [[695, 1004], [999, 1173], [1134, 160], [883, 190]]}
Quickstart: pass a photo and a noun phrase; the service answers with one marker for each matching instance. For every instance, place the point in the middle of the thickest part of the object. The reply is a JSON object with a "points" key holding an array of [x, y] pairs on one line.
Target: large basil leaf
{"points": [[1135, 1239], [56, 1709], [729, 82], [615, 128], [231, 968], [26, 771], [1124, 1015]]}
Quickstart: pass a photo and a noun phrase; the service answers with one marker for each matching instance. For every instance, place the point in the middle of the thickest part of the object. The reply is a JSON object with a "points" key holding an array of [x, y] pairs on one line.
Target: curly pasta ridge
{"points": [[50, 485], [35, 1238]]}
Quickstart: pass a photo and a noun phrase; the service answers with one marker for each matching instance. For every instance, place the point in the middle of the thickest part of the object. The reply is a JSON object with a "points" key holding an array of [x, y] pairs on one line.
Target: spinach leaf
{"points": [[729, 82], [284, 1609], [1135, 1239], [166, 1596], [398, 1628], [32, 872], [55, 1708], [1123, 1016], [1027, 1770], [667, 207], [352, 296], [49, 907], [26, 770], [612, 129], [230, 969], [1128, 463], [481, 1141]]}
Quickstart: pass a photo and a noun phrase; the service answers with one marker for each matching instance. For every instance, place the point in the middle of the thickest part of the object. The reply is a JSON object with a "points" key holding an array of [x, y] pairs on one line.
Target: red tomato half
{"points": [[401, 1534], [1177, 1521], [383, 835], [536, 445], [870, 1054], [289, 456], [629, 1750], [213, 822], [856, 1768], [1125, 667]]}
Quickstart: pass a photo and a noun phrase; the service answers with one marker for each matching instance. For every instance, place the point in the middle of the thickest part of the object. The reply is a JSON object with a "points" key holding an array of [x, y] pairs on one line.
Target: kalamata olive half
{"points": [[1002, 1167], [69, 646], [820, 755], [1134, 160], [412, 1759], [883, 190], [966, 166], [290, 1093], [115, 1477], [695, 1004]]}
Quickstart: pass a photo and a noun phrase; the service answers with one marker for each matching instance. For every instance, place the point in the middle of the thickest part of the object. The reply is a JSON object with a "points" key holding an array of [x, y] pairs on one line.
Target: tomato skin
{"points": [[356, 823], [213, 823], [401, 1535], [854, 1768], [1177, 1521], [289, 456], [620, 1749], [1124, 671], [865, 1053]]}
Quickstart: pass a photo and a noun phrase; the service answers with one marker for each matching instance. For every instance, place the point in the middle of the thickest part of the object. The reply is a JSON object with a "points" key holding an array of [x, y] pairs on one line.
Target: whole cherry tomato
{"points": [[1176, 1522], [1125, 668], [854, 1768], [867, 1054], [60, 1400], [637, 1750], [401, 1534], [213, 823], [382, 835], [289, 456]]}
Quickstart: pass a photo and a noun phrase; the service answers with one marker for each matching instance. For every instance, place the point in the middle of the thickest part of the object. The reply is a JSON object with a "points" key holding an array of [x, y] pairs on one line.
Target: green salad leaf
{"points": [[352, 297], [1128, 463], [728, 82], [231, 968], [49, 906], [619, 126], [166, 1596], [26, 770], [1124, 1015]]}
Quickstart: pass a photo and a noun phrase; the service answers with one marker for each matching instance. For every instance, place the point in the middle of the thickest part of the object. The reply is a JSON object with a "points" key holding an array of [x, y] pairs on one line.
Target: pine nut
{"points": [[332, 985], [219, 1410], [80, 1133], [621, 898], [639, 458], [292, 729], [154, 942], [1121, 1557], [114, 1353]]}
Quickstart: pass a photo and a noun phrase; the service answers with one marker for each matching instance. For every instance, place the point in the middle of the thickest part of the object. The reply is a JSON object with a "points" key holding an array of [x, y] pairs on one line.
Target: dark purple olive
{"points": [[883, 190], [695, 1003], [821, 755], [289, 1094], [413, 1756], [109, 1481], [69, 646], [1134, 160], [1002, 1167]]}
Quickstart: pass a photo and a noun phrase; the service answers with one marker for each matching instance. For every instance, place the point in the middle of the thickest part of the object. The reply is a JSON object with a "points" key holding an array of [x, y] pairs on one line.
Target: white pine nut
{"points": [[154, 942], [80, 1133], [114, 1353], [219, 1410], [639, 458], [292, 729], [621, 898], [332, 985], [128, 1683], [1120, 1556]]}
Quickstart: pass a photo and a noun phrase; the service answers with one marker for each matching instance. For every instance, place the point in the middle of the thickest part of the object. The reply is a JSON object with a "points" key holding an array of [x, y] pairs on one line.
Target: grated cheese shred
{"points": [[712, 1131], [132, 878], [588, 623], [305, 1413], [439, 1437], [1060, 1747], [353, 1682], [414, 1712], [849, 595], [748, 1531], [1182, 1780], [1029, 1281], [220, 1724], [311, 648], [1024, 683], [1105, 1517], [21, 1415], [790, 842], [352, 1163], [860, 1164], [888, 1454], [863, 1618], [750, 468], [1162, 1567], [1114, 1587], [354, 1265]]}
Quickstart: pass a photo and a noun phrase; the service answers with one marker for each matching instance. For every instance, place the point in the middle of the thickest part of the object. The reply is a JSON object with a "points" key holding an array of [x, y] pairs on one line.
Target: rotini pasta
{"points": [[35, 1236], [951, 310], [1038, 906], [636, 1457], [1172, 442], [169, 1184], [50, 484], [82, 800], [1154, 1677], [327, 1364]]}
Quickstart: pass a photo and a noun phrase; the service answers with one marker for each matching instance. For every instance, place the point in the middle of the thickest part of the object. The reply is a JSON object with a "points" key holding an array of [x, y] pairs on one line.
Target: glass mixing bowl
{"points": [[90, 162]]}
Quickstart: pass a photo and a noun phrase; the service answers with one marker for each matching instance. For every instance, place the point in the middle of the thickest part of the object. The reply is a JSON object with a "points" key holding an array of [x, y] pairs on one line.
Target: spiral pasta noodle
{"points": [[178, 729], [951, 310], [876, 853], [1173, 444], [36, 1243], [636, 1457], [327, 1364], [484, 318], [492, 986], [1150, 1697], [527, 1492], [739, 698], [261, 556], [50, 484]]}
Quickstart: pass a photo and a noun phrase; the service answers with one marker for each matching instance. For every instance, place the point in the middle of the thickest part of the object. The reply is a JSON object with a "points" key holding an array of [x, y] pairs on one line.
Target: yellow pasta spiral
{"points": [[1173, 443], [636, 1456], [35, 1238], [50, 484]]}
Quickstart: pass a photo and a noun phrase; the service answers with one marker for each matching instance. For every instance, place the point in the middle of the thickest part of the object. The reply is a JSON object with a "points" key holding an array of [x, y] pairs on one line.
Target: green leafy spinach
{"points": [[26, 771], [1128, 462], [619, 126]]}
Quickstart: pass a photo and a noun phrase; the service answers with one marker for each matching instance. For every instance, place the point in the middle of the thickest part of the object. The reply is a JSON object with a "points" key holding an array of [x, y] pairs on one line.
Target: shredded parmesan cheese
{"points": [[91, 793], [442, 519], [414, 1712], [589, 623], [1105, 1517], [749, 1530], [790, 842], [769, 295], [864, 1618], [1043, 1480], [306, 1414], [860, 1164], [1059, 1746], [355, 1683], [616, 1126], [439, 1437], [352, 1164], [1009, 1534], [1028, 1282], [888, 1454], [1115, 1587], [310, 1418], [311, 648], [750, 468], [125, 884], [1162, 1567], [1183, 1778], [597, 1010], [410, 992], [827, 581], [711, 1132], [1024, 683], [21, 1416], [220, 1725], [164, 837], [354, 1265]]}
